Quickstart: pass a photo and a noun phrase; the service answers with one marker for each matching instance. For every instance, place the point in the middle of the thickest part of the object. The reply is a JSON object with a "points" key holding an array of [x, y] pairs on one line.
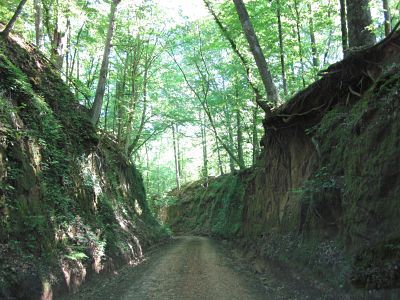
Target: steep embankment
{"points": [[70, 204], [325, 192]]}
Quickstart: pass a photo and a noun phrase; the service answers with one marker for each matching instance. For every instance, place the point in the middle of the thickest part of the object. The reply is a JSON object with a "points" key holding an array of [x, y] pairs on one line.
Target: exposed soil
{"points": [[195, 268]]}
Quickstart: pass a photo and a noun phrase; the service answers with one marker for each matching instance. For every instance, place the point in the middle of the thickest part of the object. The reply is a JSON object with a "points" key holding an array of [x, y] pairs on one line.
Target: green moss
{"points": [[357, 186], [215, 209]]}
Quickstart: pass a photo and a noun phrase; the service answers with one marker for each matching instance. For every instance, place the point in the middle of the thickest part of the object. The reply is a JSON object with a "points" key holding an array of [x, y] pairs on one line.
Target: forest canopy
{"points": [[175, 83]]}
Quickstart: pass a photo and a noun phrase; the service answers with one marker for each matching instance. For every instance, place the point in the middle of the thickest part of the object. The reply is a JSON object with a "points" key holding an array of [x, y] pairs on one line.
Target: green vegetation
{"points": [[93, 94], [54, 209], [182, 78], [215, 209]]}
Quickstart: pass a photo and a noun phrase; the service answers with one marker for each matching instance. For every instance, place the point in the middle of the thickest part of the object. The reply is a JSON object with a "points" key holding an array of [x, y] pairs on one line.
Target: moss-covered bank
{"points": [[215, 208], [70, 204]]}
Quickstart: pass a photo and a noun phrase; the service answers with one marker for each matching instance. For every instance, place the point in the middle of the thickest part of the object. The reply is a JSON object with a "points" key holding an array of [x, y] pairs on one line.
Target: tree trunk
{"points": [[314, 51], [58, 44], [358, 19], [204, 104], [77, 72], [107, 107], [343, 26], [98, 99], [256, 50], [75, 55], [220, 165], [204, 145], [147, 167], [281, 50], [6, 32], [328, 44], [388, 17], [38, 23], [240, 140], [230, 137], [176, 159], [179, 152], [255, 135], [296, 8], [68, 57], [241, 57]]}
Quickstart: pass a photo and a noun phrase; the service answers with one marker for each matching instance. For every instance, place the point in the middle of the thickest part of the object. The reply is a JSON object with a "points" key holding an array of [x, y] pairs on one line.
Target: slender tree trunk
{"points": [[143, 117], [178, 147], [203, 101], [358, 19], [328, 44], [388, 17], [74, 57], [38, 23], [343, 27], [296, 8], [98, 99], [281, 50], [256, 50], [256, 144], [176, 159], [266, 108], [240, 140], [230, 137], [220, 165], [68, 57], [147, 166], [58, 44], [77, 71], [6, 32], [314, 51], [107, 106], [119, 100], [204, 145]]}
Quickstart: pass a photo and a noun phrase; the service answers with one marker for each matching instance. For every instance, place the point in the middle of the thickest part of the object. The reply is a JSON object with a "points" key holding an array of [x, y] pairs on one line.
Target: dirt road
{"points": [[193, 267], [188, 268]]}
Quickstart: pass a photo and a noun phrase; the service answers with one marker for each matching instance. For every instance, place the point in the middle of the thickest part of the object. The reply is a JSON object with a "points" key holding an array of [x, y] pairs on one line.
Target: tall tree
{"points": [[343, 27], [57, 26], [5, 33], [314, 51], [176, 157], [38, 23], [255, 140], [257, 52], [239, 137], [203, 130], [281, 50], [299, 41], [358, 20], [241, 57], [388, 17], [101, 85]]}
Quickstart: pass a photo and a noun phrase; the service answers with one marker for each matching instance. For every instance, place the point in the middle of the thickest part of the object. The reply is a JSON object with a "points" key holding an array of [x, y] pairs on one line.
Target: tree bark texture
{"points": [[296, 8], [281, 48], [10, 25], [98, 99], [176, 158], [388, 17], [255, 48], [343, 27], [38, 23], [314, 51], [240, 139], [358, 19]]}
